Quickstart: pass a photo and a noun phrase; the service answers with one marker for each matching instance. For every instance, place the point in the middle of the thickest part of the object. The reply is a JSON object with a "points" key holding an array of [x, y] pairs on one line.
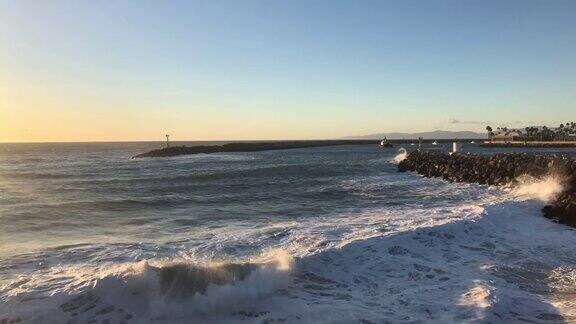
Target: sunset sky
{"points": [[299, 69]]}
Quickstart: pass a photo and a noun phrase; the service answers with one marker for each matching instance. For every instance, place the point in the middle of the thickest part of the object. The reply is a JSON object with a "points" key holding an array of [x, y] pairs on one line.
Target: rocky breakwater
{"points": [[248, 147], [502, 169]]}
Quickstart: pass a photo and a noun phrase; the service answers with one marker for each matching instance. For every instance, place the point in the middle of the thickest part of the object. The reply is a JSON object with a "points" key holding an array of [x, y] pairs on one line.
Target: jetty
{"points": [[502, 169], [531, 144], [170, 151]]}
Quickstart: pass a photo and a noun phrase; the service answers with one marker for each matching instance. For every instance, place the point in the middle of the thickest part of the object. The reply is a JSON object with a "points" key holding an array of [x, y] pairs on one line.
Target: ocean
{"points": [[315, 235]]}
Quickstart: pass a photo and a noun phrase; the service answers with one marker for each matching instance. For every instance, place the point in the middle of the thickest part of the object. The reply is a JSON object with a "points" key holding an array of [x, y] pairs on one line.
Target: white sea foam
{"points": [[148, 291], [478, 296], [485, 257], [545, 189], [402, 154]]}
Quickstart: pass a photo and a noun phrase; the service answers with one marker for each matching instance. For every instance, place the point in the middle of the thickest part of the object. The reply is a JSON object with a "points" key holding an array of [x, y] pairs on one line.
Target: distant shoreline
{"points": [[529, 144]]}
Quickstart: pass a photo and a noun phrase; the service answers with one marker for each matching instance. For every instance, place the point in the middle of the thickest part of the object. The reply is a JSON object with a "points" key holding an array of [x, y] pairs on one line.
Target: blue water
{"points": [[81, 224], [96, 193]]}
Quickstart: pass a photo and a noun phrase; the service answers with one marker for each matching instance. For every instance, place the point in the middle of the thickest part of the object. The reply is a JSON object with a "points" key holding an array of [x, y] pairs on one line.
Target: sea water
{"points": [[318, 235]]}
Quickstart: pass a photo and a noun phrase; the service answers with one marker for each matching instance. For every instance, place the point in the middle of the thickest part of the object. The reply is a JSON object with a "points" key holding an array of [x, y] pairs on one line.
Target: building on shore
{"points": [[505, 135]]}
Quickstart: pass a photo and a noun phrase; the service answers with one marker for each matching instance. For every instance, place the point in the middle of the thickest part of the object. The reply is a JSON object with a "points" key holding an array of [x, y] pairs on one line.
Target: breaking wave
{"points": [[391, 247], [402, 154], [147, 291], [544, 189]]}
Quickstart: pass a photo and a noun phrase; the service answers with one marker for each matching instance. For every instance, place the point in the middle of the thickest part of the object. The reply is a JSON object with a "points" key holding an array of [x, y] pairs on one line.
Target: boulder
{"points": [[501, 169]]}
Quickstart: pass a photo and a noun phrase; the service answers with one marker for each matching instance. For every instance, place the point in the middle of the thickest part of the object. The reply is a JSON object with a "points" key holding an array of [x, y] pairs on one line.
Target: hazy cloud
{"points": [[482, 123], [467, 122]]}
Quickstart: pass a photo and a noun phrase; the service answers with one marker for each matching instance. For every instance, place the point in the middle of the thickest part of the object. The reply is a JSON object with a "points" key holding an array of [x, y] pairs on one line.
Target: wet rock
{"points": [[501, 169]]}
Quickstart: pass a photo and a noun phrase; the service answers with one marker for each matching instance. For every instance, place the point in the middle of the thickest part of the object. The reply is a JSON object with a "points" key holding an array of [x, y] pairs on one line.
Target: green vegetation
{"points": [[564, 132]]}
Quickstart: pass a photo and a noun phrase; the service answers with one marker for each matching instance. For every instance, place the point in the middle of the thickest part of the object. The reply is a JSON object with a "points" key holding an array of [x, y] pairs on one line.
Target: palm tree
{"points": [[561, 132], [490, 133], [528, 133]]}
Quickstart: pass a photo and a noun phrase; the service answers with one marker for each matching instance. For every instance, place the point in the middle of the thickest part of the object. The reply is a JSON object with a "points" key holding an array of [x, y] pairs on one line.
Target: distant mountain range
{"points": [[437, 134]]}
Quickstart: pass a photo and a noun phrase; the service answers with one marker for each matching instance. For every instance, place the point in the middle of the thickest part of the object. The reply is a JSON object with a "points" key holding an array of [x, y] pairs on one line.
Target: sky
{"points": [[73, 70]]}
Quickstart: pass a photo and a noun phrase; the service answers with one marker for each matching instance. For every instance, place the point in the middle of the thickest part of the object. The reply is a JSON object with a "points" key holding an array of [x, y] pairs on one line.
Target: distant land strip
{"points": [[248, 147], [530, 144]]}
